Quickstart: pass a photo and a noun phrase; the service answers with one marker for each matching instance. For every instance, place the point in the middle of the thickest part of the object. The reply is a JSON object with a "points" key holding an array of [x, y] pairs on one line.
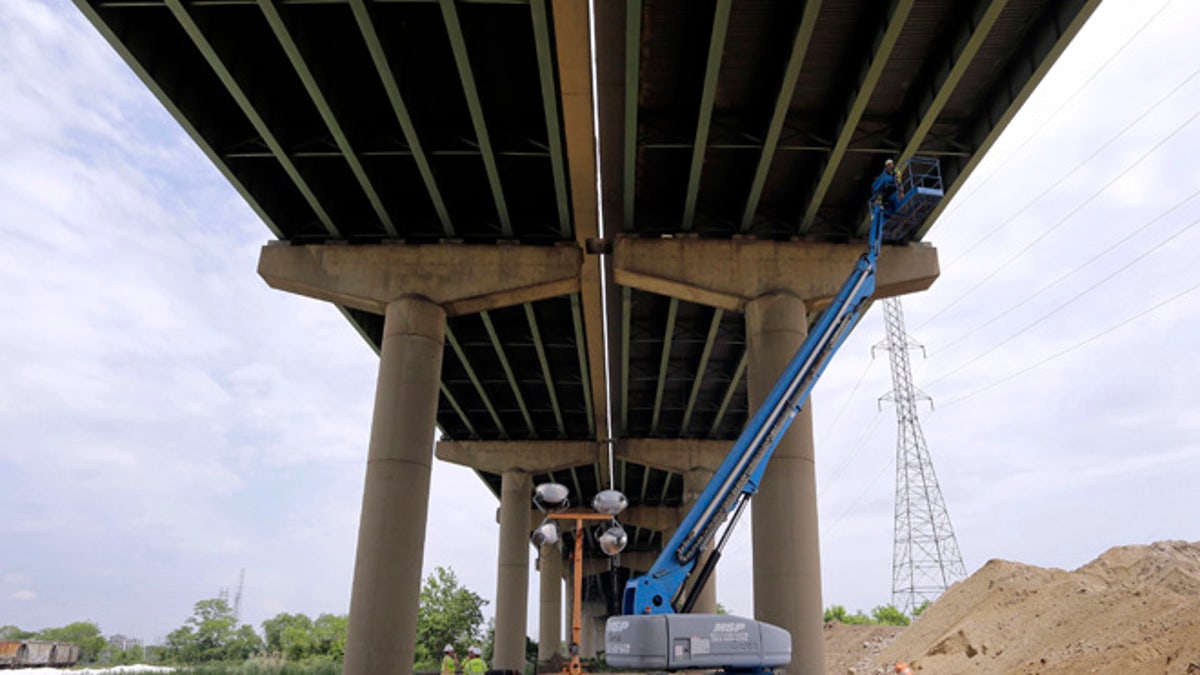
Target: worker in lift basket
{"points": [[475, 662], [885, 186]]}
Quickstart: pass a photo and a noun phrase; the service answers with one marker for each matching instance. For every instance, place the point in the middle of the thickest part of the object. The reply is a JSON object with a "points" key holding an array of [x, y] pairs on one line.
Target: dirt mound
{"points": [[1135, 609], [855, 649]]}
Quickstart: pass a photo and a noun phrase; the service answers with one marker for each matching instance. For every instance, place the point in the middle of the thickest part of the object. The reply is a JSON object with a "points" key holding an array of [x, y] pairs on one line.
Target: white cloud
{"points": [[15, 579]]}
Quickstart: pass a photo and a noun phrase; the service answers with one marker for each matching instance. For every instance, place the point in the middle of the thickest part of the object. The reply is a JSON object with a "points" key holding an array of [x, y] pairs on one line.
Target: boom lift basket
{"points": [[918, 191]]}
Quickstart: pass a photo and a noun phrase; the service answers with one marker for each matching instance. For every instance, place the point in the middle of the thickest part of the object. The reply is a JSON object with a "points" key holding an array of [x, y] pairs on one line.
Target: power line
{"points": [[846, 400], [860, 500], [1080, 267], [1078, 166], [1074, 346], [1049, 118], [1071, 300], [859, 444], [1045, 233], [867, 489]]}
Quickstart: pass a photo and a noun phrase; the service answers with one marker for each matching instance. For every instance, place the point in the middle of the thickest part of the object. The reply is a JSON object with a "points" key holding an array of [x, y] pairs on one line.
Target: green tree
{"points": [[155, 654], [329, 636], [835, 613], [214, 623], [181, 646], [84, 634], [888, 615], [11, 632], [211, 634], [858, 619], [243, 644], [923, 606], [287, 633], [838, 613], [448, 614], [531, 650], [127, 656], [297, 643], [489, 641]]}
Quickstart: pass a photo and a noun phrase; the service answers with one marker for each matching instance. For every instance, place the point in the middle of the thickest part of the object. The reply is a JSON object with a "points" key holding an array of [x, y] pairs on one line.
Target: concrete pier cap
{"points": [[728, 273], [528, 456], [461, 278]]}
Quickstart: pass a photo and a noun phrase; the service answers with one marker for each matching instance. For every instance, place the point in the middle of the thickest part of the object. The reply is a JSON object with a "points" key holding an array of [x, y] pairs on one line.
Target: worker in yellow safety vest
{"points": [[885, 187], [449, 660], [475, 662], [902, 669]]}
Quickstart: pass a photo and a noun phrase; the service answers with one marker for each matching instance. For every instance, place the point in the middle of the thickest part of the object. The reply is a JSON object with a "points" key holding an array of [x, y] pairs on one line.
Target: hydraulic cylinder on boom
{"points": [[656, 630]]}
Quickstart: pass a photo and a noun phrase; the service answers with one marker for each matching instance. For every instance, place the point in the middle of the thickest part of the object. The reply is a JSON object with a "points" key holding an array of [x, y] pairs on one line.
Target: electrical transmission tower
{"points": [[925, 557], [223, 594], [237, 599]]}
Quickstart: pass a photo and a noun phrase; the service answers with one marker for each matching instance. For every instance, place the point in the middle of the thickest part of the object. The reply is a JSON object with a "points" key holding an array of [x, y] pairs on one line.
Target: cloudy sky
{"points": [[167, 421]]}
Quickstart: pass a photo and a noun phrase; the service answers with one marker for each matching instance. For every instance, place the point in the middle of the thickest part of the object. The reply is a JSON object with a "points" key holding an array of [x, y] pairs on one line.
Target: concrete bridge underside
{"points": [[430, 168]]}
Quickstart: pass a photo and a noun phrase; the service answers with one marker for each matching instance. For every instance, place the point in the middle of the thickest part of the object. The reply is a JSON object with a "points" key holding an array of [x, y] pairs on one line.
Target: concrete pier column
{"points": [[590, 635], [569, 580], [694, 482], [550, 614], [787, 563], [382, 630], [512, 571]]}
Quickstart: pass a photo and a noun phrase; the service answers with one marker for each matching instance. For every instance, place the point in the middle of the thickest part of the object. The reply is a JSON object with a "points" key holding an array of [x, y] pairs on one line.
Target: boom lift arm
{"points": [[650, 633]]}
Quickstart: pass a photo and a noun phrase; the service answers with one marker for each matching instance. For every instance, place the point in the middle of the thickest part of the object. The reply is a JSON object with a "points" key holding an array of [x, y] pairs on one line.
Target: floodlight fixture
{"points": [[609, 502], [551, 497], [613, 540], [546, 534]]}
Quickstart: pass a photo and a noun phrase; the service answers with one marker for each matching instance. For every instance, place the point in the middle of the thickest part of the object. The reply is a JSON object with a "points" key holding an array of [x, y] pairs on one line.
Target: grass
{"points": [[262, 669]]}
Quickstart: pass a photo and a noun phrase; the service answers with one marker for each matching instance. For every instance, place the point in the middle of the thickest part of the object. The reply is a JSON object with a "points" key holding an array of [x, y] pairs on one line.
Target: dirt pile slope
{"points": [[1135, 609], [855, 648]]}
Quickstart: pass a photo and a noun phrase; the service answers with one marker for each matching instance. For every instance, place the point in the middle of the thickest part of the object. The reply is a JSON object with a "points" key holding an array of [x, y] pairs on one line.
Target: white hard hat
{"points": [[448, 648], [475, 650]]}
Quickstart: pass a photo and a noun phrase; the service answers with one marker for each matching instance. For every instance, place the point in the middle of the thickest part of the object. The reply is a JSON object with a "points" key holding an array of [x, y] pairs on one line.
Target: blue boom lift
{"points": [[656, 630]]}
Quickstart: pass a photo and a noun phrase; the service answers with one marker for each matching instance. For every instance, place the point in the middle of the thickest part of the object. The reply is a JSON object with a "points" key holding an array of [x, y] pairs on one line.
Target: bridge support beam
{"points": [[512, 571], [694, 482], [776, 285], [391, 534], [550, 616], [787, 563], [416, 287]]}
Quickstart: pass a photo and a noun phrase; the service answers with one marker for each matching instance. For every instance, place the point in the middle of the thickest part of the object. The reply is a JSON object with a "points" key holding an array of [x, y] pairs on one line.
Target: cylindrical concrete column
{"points": [[550, 614], [694, 482], [512, 571], [382, 631], [587, 633], [787, 562], [569, 609]]}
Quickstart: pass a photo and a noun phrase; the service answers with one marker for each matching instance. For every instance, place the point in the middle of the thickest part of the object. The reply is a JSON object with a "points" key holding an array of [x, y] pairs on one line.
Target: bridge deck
{"points": [[361, 121]]}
